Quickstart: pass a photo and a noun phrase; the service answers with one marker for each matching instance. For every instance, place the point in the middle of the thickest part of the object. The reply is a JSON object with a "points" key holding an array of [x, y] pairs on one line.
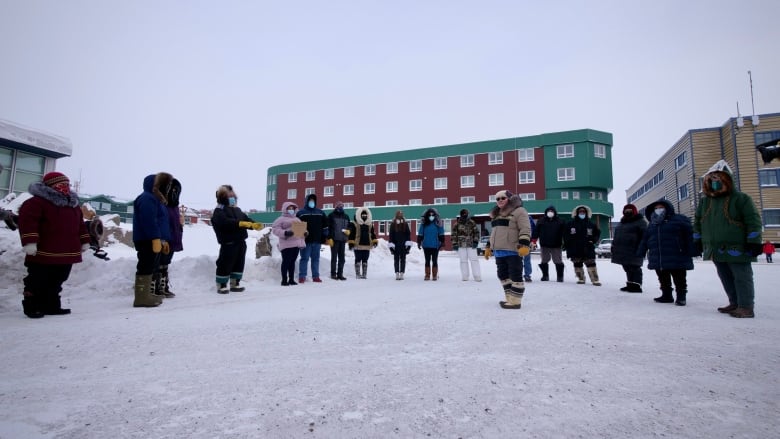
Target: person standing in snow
{"points": [[289, 244], [625, 243], [362, 239], [53, 235], [465, 238], [580, 238], [549, 233], [510, 241], [527, 265], [400, 243], [727, 229], [338, 222], [430, 238], [769, 250], [176, 224], [230, 225], [669, 247], [317, 228], [151, 234]]}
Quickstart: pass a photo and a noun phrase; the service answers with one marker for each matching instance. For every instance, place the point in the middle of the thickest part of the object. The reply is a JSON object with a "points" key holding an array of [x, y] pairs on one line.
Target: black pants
{"points": [[666, 277], [148, 261], [431, 256], [633, 273], [399, 260], [230, 262], [44, 284], [289, 255], [337, 258], [510, 267], [362, 256]]}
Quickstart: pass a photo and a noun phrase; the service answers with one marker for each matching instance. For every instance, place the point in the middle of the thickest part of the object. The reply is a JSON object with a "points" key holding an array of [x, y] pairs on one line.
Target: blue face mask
{"points": [[232, 201], [311, 204], [716, 185], [582, 216], [431, 217]]}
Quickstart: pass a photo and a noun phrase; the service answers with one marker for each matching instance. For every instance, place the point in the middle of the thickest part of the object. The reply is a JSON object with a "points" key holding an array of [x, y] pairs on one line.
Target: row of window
{"points": [[25, 169], [651, 183]]}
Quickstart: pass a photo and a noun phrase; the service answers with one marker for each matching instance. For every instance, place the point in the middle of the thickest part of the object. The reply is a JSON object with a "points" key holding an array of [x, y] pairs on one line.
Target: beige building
{"points": [[677, 175]]}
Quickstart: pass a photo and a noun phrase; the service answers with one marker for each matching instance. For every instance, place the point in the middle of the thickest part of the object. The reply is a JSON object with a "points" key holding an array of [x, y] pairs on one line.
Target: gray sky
{"points": [[216, 92]]}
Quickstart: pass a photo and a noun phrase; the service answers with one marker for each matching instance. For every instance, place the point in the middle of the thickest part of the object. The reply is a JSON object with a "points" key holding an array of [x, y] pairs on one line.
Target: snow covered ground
{"points": [[380, 357]]}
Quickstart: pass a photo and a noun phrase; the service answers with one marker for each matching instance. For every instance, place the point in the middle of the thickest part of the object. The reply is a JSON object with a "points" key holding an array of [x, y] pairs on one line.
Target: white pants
{"points": [[469, 255]]}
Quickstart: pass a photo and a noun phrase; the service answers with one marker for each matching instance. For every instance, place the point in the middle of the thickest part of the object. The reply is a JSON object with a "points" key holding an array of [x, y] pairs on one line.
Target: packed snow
{"points": [[381, 357]]}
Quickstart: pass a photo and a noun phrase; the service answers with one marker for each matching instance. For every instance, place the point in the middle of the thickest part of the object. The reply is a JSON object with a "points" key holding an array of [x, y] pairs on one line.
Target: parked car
{"points": [[483, 241], [604, 248]]}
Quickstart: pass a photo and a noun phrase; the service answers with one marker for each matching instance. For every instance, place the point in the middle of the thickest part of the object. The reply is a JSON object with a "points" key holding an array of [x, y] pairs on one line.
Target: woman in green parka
{"points": [[727, 230]]}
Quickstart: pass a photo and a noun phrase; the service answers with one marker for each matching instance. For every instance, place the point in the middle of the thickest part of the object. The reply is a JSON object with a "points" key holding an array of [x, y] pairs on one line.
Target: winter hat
{"points": [[53, 178], [339, 204], [630, 207], [504, 193], [464, 212]]}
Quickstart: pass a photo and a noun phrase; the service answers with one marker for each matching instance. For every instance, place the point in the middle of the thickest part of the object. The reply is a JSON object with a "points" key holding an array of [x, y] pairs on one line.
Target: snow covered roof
{"points": [[35, 138]]}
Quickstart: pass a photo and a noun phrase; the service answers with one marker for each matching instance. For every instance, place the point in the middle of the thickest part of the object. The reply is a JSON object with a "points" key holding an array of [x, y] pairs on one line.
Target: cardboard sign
{"points": [[299, 228]]}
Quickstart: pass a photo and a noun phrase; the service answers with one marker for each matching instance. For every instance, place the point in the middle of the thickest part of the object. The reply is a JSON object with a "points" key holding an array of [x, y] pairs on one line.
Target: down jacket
{"points": [[626, 239], [668, 243]]}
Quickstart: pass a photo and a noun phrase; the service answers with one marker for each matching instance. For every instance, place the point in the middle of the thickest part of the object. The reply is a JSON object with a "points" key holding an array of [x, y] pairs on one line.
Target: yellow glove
{"points": [[166, 248], [245, 224], [488, 252], [346, 232], [523, 250], [257, 226], [329, 242], [156, 245], [374, 243]]}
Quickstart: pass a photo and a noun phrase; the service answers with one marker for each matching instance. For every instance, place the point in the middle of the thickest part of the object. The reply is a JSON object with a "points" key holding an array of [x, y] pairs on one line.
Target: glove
{"points": [[488, 253], [245, 224], [85, 247], [329, 242], [754, 249], [346, 232], [257, 226], [523, 250], [392, 251], [30, 249], [698, 247], [374, 243], [166, 248], [352, 246], [288, 233], [156, 246]]}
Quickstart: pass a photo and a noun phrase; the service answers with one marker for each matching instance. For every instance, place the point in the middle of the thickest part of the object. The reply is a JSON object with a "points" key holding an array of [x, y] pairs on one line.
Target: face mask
{"points": [[62, 188], [550, 214], [716, 185], [431, 218], [463, 217], [311, 204], [660, 211], [291, 211], [398, 221], [364, 217], [581, 215], [232, 201]]}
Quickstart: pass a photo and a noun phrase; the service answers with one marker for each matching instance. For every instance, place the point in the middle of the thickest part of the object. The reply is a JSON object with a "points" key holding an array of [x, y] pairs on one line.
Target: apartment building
{"points": [[677, 175]]}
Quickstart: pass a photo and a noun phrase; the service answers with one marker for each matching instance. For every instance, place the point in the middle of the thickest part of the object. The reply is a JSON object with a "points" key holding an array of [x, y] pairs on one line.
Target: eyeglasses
{"points": [[500, 198]]}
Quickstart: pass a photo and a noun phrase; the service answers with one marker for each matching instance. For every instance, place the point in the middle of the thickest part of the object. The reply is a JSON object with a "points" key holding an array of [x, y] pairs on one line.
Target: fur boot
{"points": [[579, 272], [365, 270], [435, 273], [427, 273], [743, 313], [594, 276], [143, 292], [165, 286]]}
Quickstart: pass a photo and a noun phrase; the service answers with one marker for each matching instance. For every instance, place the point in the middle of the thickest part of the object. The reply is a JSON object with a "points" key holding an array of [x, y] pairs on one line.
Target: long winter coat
{"points": [[283, 224], [581, 236], [668, 243], [726, 220], [510, 225], [465, 233], [337, 223], [430, 234], [626, 239], [316, 221], [549, 231], [361, 233], [54, 222], [400, 234], [150, 217]]}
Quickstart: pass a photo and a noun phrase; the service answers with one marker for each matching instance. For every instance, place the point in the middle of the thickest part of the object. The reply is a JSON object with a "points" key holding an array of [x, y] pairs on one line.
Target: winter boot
{"points": [[665, 297], [156, 286], [401, 276], [398, 276], [427, 273], [632, 287], [625, 288], [284, 281], [165, 289], [545, 267], [579, 272], [435, 272], [143, 292], [594, 276], [365, 270], [357, 270], [30, 306], [235, 287], [743, 313], [680, 298], [559, 272], [727, 309], [222, 288], [54, 307]]}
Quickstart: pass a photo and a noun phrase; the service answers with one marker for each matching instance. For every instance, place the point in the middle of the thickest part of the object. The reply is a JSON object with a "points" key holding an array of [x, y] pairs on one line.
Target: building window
{"points": [[468, 200], [392, 168], [680, 161], [327, 206], [525, 155], [311, 175], [467, 161], [329, 174], [415, 165], [565, 151], [600, 195], [308, 191], [349, 172], [391, 186], [440, 183], [349, 189], [600, 151], [440, 200], [369, 170], [682, 192], [440, 163], [415, 202], [575, 195], [496, 179], [369, 188], [383, 227], [528, 197], [369, 204], [768, 177], [415, 185], [565, 195], [349, 204], [771, 217], [292, 194], [292, 177], [466, 181], [526, 177], [565, 174], [328, 191], [391, 203], [495, 158], [272, 179]]}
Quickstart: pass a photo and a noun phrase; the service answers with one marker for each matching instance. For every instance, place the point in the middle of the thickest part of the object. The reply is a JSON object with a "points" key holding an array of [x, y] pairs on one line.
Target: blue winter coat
{"points": [[430, 234], [668, 243], [150, 216]]}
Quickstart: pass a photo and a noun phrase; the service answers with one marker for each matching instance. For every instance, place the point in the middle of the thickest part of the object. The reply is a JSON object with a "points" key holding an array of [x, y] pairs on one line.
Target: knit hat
{"points": [[630, 207], [54, 178], [464, 212]]}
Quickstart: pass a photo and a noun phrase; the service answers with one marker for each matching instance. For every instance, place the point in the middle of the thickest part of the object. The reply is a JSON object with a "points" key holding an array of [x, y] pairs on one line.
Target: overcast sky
{"points": [[217, 92]]}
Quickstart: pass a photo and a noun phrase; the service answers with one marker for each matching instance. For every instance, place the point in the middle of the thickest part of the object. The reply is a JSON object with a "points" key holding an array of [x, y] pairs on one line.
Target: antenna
{"points": [[740, 119], [752, 103]]}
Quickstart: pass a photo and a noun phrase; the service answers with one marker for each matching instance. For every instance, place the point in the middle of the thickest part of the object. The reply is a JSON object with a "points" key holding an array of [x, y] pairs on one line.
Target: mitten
{"points": [[245, 224], [85, 247], [288, 233], [257, 226], [374, 243], [329, 242], [156, 246], [30, 249], [346, 232], [523, 250], [391, 245], [166, 248], [754, 249], [488, 253]]}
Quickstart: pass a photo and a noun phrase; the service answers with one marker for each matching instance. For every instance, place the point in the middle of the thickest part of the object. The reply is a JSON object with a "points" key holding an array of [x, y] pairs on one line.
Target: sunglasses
{"points": [[500, 198]]}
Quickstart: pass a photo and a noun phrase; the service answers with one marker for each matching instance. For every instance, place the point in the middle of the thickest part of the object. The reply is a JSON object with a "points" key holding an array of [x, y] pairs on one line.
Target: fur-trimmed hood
{"points": [[512, 203], [721, 171], [286, 205], [57, 198], [649, 210], [158, 184], [359, 213], [428, 212], [588, 212]]}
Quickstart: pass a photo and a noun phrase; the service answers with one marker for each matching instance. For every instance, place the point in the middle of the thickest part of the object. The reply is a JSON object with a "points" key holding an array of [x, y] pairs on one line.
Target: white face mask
{"points": [[550, 214], [431, 218], [660, 211], [398, 221], [291, 211], [582, 216]]}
